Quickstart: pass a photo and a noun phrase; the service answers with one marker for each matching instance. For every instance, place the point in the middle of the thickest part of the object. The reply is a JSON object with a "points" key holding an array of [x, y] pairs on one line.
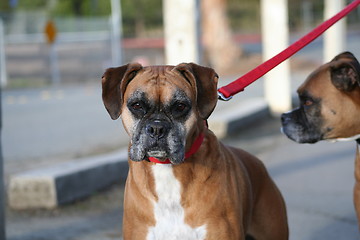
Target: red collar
{"points": [[196, 145]]}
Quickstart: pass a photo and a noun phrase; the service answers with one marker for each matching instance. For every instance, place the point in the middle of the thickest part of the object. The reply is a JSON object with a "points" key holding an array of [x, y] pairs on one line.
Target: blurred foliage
{"points": [[244, 15], [23, 4], [4, 6], [296, 11], [32, 4], [142, 17], [80, 8], [137, 15]]}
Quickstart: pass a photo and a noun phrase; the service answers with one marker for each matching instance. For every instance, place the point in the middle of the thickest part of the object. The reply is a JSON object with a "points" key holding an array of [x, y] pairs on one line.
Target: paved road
{"points": [[51, 124], [45, 125], [315, 180]]}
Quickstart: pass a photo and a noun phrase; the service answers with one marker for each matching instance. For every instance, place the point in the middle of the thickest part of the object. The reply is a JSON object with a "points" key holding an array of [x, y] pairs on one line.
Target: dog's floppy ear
{"points": [[114, 82], [205, 82], [344, 55], [345, 71]]}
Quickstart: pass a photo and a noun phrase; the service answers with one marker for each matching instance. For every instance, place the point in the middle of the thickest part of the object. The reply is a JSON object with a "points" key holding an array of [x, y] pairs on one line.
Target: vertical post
{"points": [[54, 65], [334, 38], [50, 34], [3, 75], [198, 46], [275, 37], [2, 184], [2, 84], [2, 193], [116, 32], [181, 23]]}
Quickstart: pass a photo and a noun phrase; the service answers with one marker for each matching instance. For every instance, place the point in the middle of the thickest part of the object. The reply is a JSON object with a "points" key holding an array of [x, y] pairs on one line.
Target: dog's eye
{"points": [[180, 107], [308, 102], [136, 106]]}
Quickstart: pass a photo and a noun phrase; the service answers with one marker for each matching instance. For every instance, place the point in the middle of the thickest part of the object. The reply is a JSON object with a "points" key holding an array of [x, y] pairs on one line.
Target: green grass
{"points": [[27, 83]]}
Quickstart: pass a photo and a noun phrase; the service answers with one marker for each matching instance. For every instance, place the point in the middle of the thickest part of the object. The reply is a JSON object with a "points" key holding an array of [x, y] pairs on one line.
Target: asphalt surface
{"points": [[44, 126], [47, 125], [315, 180]]}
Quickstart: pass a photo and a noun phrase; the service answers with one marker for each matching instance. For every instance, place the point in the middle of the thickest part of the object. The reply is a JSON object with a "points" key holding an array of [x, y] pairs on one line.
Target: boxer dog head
{"points": [[162, 107], [329, 103]]}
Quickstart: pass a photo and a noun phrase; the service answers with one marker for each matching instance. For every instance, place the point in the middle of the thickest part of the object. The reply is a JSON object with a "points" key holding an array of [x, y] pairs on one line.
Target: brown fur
{"points": [[225, 188], [345, 104]]}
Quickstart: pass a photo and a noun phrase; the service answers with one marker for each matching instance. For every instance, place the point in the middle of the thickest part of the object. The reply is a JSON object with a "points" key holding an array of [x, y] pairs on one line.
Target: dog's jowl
{"points": [[183, 183]]}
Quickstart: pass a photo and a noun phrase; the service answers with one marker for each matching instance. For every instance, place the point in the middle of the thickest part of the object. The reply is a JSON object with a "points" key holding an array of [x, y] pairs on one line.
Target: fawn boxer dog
{"points": [[330, 108], [182, 182]]}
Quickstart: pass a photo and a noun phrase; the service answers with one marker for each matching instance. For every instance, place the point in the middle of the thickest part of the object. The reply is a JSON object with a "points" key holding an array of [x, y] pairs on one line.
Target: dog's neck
{"points": [[357, 162], [355, 137]]}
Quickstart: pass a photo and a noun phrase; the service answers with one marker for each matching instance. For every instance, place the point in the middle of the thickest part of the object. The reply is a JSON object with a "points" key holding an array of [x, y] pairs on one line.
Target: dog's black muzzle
{"points": [[157, 129]]}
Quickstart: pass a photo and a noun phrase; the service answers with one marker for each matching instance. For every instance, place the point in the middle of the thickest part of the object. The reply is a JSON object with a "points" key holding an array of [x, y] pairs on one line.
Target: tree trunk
{"points": [[221, 50], [139, 19]]}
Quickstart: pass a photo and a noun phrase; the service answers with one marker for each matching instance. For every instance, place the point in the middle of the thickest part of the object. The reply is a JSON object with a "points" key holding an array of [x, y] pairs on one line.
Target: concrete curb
{"points": [[229, 119], [67, 182]]}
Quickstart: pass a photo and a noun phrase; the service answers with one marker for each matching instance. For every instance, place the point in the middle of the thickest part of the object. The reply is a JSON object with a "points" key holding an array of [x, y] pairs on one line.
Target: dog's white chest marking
{"points": [[169, 214], [345, 139]]}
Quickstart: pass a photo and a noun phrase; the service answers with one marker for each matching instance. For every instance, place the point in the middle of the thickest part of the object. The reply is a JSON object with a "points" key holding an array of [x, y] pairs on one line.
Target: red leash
{"points": [[225, 93]]}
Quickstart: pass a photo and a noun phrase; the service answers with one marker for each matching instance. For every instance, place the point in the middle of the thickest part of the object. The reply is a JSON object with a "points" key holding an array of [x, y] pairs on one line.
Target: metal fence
{"points": [[83, 47]]}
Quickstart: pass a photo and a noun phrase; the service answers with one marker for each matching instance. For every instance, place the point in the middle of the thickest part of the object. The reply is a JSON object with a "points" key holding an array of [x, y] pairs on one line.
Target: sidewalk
{"points": [[315, 180], [67, 181], [317, 183]]}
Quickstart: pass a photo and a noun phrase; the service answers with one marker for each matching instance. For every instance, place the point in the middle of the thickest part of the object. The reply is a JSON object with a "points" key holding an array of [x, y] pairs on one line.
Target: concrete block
{"points": [[66, 182], [32, 192]]}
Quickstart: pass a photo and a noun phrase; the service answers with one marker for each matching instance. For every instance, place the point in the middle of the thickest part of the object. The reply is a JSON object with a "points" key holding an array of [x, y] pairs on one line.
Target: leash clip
{"points": [[222, 97]]}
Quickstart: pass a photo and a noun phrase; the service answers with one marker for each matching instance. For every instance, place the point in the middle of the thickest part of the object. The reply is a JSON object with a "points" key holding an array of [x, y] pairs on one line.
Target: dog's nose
{"points": [[156, 129]]}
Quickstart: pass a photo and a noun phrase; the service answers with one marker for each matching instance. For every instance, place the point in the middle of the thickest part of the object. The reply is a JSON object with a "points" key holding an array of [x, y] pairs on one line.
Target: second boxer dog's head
{"points": [[329, 103], [162, 107]]}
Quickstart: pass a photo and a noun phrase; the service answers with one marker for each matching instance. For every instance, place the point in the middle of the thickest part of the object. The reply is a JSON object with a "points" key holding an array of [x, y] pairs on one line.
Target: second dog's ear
{"points": [[206, 81], [345, 72], [114, 82]]}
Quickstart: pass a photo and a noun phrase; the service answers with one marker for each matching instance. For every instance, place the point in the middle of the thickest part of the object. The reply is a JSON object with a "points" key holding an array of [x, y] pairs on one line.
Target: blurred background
{"points": [[84, 35], [54, 53]]}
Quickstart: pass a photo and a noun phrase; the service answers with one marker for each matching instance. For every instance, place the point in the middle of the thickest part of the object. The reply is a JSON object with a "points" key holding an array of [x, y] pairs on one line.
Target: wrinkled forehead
{"points": [[159, 84], [317, 80]]}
